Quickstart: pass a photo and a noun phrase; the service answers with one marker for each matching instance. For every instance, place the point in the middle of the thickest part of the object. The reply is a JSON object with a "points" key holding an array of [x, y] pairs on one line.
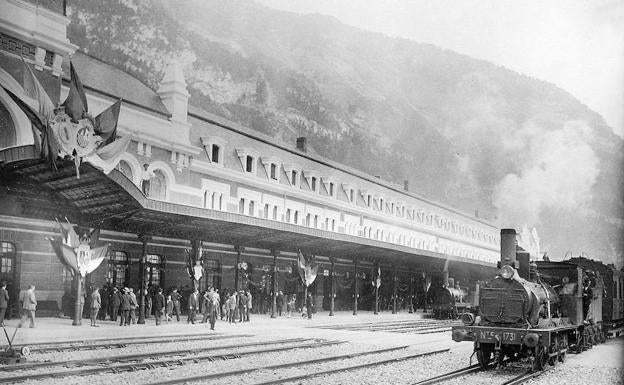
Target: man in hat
{"points": [[158, 304], [115, 303], [126, 301], [29, 306], [176, 297], [193, 306]]}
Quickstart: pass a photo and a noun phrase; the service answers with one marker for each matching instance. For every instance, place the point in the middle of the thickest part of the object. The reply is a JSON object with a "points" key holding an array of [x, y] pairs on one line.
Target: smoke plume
{"points": [[557, 169]]}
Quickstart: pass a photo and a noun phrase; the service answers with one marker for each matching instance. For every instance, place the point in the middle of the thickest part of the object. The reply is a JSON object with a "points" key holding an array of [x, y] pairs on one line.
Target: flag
{"points": [[34, 90], [97, 256], [310, 273], [378, 279], [107, 157], [106, 123], [65, 253], [76, 102], [301, 260]]}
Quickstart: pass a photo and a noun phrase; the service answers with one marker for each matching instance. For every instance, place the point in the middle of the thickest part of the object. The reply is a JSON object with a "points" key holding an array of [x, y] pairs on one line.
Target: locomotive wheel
{"points": [[484, 355], [554, 346], [563, 344], [541, 357]]}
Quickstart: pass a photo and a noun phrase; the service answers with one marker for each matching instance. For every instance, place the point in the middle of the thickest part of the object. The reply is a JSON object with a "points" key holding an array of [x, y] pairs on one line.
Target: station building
{"points": [[240, 201]]}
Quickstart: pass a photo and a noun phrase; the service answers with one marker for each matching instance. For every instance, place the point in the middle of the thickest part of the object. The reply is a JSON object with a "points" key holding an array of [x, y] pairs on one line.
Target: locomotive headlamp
{"points": [[507, 272]]}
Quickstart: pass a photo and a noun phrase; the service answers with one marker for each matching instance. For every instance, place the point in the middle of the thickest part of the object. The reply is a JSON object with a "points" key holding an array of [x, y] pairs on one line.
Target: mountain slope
{"points": [[462, 131]]}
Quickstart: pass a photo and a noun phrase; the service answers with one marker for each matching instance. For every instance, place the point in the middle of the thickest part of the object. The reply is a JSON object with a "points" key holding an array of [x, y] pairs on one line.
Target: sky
{"points": [[576, 44]]}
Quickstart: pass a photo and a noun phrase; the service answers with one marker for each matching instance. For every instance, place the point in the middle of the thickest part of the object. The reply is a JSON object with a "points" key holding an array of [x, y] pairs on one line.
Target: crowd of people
{"points": [[122, 304]]}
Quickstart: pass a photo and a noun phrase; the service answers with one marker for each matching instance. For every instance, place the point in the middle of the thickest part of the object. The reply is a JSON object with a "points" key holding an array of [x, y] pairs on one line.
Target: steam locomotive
{"points": [[448, 300], [542, 309]]}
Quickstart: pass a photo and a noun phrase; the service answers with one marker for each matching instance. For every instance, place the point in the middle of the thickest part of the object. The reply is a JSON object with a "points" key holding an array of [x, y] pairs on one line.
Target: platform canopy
{"points": [[113, 202]]}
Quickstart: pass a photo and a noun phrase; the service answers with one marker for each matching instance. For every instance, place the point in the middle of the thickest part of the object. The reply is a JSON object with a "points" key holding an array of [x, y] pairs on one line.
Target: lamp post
{"points": [[376, 291], [394, 289], [411, 294]]}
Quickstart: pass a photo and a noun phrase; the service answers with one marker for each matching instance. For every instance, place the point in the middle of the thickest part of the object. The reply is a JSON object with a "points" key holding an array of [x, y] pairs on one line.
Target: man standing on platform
{"points": [[115, 302], [279, 302], [4, 301], [133, 305], [175, 297], [96, 303], [193, 305], [242, 306], [159, 305], [29, 306], [126, 302], [249, 304]]}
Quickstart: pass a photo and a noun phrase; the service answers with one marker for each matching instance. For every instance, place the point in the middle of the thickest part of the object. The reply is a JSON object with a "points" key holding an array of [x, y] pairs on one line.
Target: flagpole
{"points": [[77, 307]]}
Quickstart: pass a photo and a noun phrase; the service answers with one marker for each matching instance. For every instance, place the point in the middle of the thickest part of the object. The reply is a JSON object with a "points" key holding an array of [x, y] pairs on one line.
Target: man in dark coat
{"points": [[279, 302], [105, 297], [193, 306], [158, 304], [175, 297], [4, 301], [242, 306], [115, 303]]}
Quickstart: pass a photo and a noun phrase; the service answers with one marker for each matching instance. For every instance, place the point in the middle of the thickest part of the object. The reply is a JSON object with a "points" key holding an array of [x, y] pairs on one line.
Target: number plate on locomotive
{"points": [[505, 337]]}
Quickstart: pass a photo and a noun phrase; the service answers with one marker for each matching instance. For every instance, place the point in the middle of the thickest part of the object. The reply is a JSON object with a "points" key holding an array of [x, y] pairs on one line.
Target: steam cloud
{"points": [[557, 169]]}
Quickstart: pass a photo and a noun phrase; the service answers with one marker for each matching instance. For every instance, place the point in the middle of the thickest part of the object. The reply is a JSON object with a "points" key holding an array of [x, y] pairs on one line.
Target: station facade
{"points": [[193, 183]]}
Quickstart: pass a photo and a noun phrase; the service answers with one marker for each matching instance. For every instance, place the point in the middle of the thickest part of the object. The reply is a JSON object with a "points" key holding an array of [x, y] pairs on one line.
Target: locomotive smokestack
{"points": [[508, 247], [445, 277]]}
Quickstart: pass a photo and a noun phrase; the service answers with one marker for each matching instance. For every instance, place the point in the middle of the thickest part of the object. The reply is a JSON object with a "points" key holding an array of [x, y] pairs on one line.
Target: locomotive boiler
{"points": [[522, 314]]}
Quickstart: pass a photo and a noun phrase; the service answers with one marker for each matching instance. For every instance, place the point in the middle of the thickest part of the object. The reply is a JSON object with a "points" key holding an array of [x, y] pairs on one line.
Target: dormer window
{"points": [[312, 178], [292, 173], [216, 154], [352, 195], [214, 146], [248, 159], [331, 189], [271, 166]]}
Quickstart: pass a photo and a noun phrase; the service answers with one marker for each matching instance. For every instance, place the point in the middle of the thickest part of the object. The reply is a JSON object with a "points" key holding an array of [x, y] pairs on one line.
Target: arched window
{"points": [[158, 186], [249, 163], [208, 196], [8, 135], [241, 206], [287, 216], [153, 267], [316, 221], [125, 169], [273, 171], [7, 266], [307, 220], [333, 228], [266, 211], [251, 208], [274, 213], [296, 217], [117, 268]]}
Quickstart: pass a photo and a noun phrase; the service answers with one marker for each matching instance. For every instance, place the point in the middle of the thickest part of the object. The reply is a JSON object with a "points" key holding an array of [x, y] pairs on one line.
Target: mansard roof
{"points": [[101, 77]]}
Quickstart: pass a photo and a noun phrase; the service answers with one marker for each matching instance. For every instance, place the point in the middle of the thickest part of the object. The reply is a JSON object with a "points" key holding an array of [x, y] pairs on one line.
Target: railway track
{"points": [[349, 368], [396, 327], [144, 361], [273, 367], [450, 375], [117, 343], [517, 380]]}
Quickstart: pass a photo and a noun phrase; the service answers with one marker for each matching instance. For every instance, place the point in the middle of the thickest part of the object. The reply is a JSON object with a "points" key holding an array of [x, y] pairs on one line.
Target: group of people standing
{"points": [[28, 304]]}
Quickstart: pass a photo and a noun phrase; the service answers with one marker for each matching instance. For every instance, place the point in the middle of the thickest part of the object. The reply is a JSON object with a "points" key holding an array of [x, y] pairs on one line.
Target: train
{"points": [[448, 299], [542, 310]]}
